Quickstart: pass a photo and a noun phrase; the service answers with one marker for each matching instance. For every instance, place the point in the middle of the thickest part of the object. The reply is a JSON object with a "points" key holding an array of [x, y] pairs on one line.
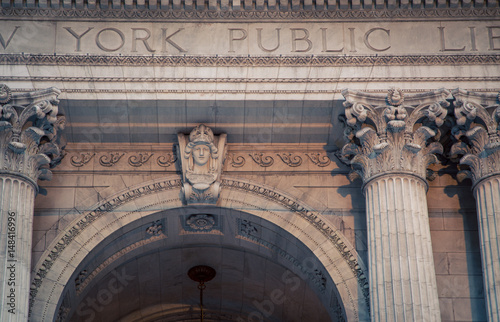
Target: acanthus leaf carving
{"points": [[385, 138], [31, 132], [477, 134]]}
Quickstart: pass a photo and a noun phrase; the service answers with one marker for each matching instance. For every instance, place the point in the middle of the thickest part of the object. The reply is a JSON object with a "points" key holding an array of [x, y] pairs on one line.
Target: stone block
{"points": [[436, 220], [45, 220], [441, 263], [460, 220], [465, 263], [469, 309], [446, 307], [455, 241], [465, 286]]}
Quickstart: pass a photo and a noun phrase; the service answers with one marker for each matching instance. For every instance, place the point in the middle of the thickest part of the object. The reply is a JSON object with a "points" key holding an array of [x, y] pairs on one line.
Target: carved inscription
{"points": [[261, 39]]}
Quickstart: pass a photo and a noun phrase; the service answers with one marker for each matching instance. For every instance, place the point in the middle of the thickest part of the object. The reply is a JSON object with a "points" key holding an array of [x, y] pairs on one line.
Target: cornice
{"points": [[348, 11], [249, 61]]}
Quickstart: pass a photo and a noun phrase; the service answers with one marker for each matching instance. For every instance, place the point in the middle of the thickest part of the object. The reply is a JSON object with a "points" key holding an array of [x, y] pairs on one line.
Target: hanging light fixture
{"points": [[201, 274]]}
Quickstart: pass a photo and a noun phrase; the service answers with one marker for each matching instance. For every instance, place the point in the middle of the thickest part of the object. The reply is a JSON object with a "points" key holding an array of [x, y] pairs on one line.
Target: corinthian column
{"points": [[29, 145], [393, 139], [477, 132]]}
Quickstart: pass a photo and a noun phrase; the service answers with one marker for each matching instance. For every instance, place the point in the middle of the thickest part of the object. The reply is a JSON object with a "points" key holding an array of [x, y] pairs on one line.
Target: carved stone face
{"points": [[201, 154]]}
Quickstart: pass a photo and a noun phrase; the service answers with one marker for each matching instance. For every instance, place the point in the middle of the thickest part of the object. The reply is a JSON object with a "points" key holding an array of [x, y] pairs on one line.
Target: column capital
{"points": [[30, 133], [393, 133], [477, 134]]}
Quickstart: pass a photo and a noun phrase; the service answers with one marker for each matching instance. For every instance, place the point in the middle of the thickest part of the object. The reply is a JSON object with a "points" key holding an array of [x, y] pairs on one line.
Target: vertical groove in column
{"points": [[16, 201], [402, 277], [487, 195]]}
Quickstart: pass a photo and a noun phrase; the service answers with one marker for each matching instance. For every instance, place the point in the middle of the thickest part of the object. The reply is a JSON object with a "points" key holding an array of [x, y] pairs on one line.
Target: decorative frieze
{"points": [[236, 161], [248, 61], [202, 156], [396, 11]]}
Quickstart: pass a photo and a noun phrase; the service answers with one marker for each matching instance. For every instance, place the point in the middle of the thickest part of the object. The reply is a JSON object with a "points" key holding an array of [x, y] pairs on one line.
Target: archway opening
{"points": [[139, 272]]}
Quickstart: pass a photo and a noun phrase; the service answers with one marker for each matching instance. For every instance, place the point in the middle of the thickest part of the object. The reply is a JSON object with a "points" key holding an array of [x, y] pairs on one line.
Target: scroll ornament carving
{"points": [[290, 159], [477, 134], [201, 155], [319, 159], [82, 159], [396, 133], [236, 161], [110, 159], [262, 160], [31, 133], [139, 159], [167, 160]]}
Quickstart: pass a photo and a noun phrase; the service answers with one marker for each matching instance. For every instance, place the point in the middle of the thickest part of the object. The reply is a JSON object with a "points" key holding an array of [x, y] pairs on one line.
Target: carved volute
{"points": [[477, 133], [393, 133], [202, 155], [30, 133]]}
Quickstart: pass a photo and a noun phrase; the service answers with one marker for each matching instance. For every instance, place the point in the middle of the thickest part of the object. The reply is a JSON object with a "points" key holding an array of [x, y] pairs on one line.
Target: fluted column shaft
{"points": [[402, 277], [30, 144], [391, 141], [487, 193], [478, 120], [17, 196]]}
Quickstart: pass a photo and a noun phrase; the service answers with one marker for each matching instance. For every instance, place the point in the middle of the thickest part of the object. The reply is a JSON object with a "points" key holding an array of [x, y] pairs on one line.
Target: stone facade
{"points": [[316, 154]]}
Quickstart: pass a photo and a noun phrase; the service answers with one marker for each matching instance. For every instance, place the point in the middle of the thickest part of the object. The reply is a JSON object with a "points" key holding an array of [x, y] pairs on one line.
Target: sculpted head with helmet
{"points": [[201, 150]]}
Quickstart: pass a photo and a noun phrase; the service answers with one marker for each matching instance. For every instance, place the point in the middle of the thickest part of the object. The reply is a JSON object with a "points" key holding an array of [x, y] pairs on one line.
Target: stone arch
{"points": [[71, 246]]}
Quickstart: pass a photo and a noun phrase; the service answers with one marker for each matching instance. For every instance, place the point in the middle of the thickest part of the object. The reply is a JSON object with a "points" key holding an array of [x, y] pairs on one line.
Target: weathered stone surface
{"points": [[30, 144], [478, 142]]}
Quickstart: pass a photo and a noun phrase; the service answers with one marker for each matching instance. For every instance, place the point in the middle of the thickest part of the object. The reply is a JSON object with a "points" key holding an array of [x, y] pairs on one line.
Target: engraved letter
{"points": [[491, 37], [2, 41], [167, 39], [367, 42], [473, 38], [231, 37], [304, 38], [118, 32], [443, 45], [143, 39], [353, 40], [259, 40], [325, 46], [78, 37]]}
